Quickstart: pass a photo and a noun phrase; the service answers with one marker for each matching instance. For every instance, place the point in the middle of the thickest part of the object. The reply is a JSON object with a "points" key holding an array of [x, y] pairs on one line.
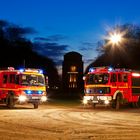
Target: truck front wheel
{"points": [[94, 105], [138, 103], [10, 100], [118, 102], [113, 104], [35, 105]]}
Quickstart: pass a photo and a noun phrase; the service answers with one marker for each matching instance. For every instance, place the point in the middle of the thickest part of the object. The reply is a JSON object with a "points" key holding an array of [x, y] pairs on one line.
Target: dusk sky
{"points": [[78, 24]]}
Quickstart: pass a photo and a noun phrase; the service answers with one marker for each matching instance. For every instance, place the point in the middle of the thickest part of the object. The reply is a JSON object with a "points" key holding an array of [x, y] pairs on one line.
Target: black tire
{"points": [[118, 102], [10, 100], [133, 104], [113, 104], [138, 103], [35, 105], [93, 105]]}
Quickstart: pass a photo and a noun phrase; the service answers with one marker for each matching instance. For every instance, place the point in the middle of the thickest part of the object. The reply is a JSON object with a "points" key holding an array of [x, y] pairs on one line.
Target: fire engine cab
{"points": [[105, 85], [22, 86]]}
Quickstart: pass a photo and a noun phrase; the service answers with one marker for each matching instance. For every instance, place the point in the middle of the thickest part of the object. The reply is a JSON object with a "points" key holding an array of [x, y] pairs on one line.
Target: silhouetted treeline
{"points": [[123, 55], [17, 51]]}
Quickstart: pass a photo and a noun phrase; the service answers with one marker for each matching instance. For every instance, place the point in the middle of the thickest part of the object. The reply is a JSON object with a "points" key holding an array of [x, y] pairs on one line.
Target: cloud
{"points": [[87, 61], [40, 39], [59, 62], [13, 31], [56, 37], [86, 46], [52, 38], [51, 50], [22, 30]]}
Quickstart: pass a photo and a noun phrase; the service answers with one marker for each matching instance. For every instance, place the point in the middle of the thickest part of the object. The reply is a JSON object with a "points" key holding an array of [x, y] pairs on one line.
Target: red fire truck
{"points": [[22, 86], [105, 85]]}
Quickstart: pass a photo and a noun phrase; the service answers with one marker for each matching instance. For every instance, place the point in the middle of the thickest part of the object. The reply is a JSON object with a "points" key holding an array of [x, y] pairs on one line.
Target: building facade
{"points": [[72, 74]]}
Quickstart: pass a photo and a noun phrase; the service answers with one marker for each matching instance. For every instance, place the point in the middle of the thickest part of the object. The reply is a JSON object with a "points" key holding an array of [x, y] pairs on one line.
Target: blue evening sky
{"points": [[80, 23]]}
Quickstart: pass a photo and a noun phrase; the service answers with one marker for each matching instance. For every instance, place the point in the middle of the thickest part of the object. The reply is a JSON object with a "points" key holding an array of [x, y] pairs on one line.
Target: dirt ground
{"points": [[54, 122]]}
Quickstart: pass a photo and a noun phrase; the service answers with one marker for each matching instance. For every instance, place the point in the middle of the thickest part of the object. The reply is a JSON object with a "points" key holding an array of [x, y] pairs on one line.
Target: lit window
{"points": [[72, 81], [73, 68], [72, 78]]}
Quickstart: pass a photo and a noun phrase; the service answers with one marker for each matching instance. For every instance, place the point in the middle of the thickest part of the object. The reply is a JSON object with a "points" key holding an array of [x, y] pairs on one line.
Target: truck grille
{"points": [[28, 92], [97, 90]]}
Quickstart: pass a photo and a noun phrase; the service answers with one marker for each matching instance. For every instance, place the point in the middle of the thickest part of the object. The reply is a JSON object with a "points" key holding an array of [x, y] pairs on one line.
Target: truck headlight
{"points": [[106, 102], [85, 101], [43, 99], [22, 98]]}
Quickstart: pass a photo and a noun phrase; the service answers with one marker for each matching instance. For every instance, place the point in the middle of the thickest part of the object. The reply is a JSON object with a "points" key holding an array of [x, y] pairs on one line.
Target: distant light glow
{"points": [[40, 71], [110, 69], [136, 74], [84, 77], [91, 69], [21, 70], [115, 38]]}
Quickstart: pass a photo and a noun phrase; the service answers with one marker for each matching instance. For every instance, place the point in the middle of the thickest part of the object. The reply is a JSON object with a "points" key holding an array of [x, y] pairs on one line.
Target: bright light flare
{"points": [[115, 38], [85, 101], [43, 98], [106, 102], [135, 74], [22, 98]]}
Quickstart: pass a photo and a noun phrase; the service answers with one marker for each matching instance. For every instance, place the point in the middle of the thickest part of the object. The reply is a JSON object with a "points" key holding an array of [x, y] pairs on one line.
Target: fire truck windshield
{"points": [[32, 80], [101, 78]]}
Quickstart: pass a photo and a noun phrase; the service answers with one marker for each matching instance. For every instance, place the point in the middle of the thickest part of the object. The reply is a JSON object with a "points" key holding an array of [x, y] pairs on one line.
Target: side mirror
{"points": [[46, 81]]}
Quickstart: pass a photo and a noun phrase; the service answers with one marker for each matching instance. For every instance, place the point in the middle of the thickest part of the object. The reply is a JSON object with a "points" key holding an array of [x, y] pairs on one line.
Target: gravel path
{"points": [[69, 123]]}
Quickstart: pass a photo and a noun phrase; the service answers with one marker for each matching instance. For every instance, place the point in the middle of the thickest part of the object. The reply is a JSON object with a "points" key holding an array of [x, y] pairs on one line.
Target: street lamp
{"points": [[115, 38], [114, 45]]}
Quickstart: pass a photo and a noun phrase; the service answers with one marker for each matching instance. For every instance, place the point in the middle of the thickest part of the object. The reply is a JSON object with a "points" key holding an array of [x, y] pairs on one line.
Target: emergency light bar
{"points": [[8, 68], [31, 70], [108, 68], [92, 69], [135, 74]]}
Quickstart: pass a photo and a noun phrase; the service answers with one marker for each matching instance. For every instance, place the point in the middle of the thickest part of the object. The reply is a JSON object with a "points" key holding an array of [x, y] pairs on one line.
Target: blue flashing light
{"points": [[21, 70], [29, 91], [110, 69], [91, 69], [100, 91], [39, 92], [40, 71]]}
